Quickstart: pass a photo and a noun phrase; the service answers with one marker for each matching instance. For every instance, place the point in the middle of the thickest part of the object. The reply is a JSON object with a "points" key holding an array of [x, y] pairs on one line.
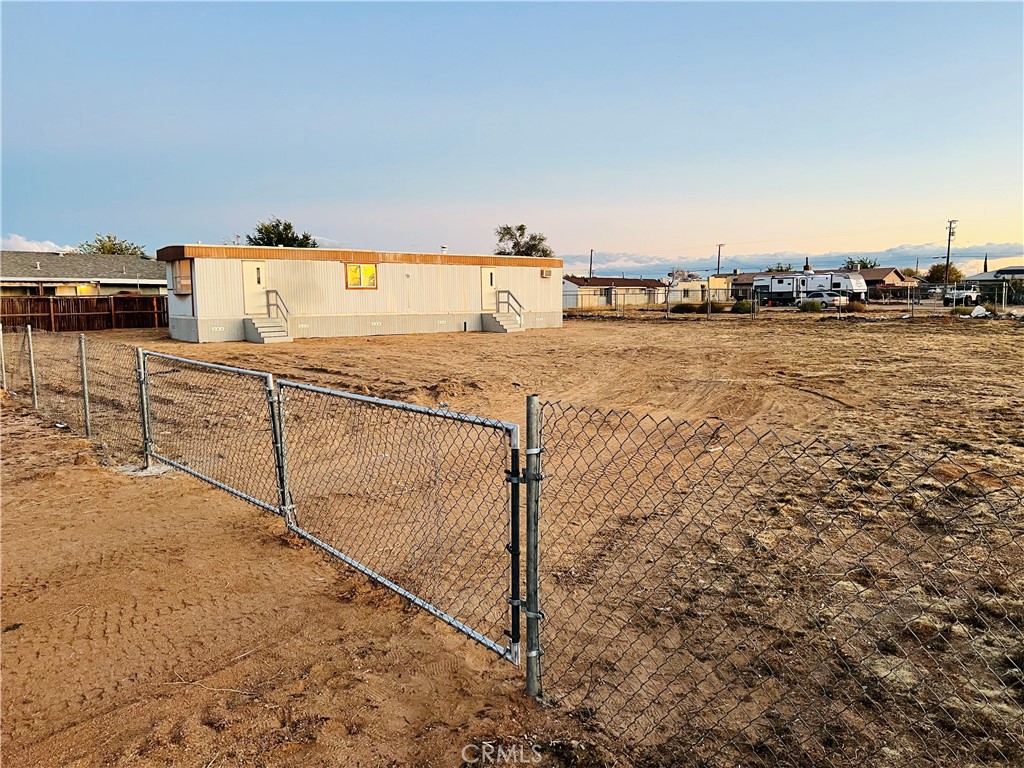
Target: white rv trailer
{"points": [[783, 288], [849, 284]]}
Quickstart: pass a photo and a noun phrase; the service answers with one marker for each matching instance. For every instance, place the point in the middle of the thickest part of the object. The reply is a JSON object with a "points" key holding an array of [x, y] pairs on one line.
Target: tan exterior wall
{"points": [[409, 298]]}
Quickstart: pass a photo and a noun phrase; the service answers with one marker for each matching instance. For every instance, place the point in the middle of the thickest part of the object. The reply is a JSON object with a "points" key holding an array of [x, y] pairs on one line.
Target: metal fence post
{"points": [[275, 406], [85, 385], [147, 443], [533, 612], [3, 360], [32, 367], [515, 594]]}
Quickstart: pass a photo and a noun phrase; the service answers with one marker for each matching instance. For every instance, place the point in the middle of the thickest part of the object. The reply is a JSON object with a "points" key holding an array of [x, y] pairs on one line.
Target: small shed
{"points": [[235, 293]]}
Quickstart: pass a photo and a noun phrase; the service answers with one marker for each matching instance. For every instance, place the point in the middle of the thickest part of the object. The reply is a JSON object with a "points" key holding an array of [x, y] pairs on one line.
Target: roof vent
{"points": [[37, 265], [444, 249]]}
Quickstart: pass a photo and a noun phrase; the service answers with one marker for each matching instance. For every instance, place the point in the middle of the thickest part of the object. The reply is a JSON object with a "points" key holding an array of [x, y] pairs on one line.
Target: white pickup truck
{"points": [[966, 296]]}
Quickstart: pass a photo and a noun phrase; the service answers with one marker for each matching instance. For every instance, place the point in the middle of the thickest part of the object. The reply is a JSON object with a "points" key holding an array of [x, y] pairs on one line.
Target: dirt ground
{"points": [[150, 619], [940, 384]]}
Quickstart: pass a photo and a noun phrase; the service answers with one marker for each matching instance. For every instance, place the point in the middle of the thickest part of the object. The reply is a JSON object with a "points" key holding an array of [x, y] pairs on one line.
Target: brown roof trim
{"points": [[177, 252]]}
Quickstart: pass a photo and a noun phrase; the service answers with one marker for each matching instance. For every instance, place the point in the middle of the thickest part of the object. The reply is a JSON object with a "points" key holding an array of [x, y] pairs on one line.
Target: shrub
{"points": [[991, 308], [961, 310], [716, 306], [741, 307], [810, 306], [856, 306], [684, 309]]}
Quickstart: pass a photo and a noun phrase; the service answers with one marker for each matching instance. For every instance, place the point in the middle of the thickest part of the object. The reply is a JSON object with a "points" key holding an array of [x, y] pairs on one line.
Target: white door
{"points": [[488, 290], [254, 287]]}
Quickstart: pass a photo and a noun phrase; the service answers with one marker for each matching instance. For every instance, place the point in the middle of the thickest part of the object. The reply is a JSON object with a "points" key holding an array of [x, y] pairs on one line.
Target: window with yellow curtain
{"points": [[360, 275]]}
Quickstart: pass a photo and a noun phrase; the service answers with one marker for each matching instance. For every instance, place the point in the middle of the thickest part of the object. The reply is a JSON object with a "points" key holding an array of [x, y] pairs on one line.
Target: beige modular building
{"points": [[235, 293]]}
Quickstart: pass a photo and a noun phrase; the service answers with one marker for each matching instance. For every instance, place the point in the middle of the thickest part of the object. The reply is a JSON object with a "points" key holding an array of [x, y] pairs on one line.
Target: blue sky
{"points": [[647, 132]]}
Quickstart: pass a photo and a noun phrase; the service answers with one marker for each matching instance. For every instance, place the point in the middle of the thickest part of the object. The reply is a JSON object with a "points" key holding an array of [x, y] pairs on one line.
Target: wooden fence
{"points": [[83, 313]]}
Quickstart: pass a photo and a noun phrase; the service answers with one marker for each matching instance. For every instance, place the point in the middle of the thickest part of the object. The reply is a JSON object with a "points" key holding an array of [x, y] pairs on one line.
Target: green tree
{"points": [[779, 267], [109, 243], [514, 241], [910, 272], [278, 232], [937, 274], [851, 264]]}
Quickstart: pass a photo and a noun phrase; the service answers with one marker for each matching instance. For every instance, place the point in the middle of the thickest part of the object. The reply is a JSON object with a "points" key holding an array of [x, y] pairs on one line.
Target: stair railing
{"points": [[512, 305], [276, 307]]}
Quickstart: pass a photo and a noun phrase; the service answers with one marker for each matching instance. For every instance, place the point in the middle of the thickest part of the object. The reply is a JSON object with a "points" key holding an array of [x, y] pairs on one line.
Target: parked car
{"points": [[827, 299]]}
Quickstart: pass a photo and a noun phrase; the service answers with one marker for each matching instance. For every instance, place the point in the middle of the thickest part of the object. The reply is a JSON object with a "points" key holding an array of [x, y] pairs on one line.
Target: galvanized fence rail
{"points": [[723, 598]]}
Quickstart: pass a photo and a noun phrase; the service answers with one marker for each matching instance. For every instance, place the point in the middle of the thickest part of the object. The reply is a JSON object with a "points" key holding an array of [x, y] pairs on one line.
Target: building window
{"points": [[360, 275], [181, 276]]}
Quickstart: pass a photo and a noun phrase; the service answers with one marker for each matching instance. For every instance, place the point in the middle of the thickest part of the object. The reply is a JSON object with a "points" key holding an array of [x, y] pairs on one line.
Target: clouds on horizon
{"points": [[15, 242], [967, 258]]}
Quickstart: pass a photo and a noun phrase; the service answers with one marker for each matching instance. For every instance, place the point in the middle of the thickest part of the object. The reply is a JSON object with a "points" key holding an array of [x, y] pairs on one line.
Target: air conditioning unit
{"points": [[545, 273]]}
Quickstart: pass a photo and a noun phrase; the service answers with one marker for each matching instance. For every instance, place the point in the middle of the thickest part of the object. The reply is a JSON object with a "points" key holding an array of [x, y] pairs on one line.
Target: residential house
{"points": [[37, 273], [593, 292]]}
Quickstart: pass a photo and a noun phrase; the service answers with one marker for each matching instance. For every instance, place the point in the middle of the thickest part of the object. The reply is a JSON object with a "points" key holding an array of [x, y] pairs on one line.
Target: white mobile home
{"points": [[235, 293]]}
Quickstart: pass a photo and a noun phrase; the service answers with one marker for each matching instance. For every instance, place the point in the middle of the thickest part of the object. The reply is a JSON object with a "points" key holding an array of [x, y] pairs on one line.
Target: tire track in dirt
{"points": [[156, 620]]}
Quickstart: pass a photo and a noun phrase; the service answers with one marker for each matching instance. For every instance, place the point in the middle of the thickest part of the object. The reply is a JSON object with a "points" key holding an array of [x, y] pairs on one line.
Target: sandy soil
{"points": [[149, 619], [937, 384], [206, 637]]}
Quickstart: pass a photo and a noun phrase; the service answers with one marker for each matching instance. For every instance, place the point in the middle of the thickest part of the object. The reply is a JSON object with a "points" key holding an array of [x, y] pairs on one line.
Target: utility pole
{"points": [[949, 245], [591, 262], [718, 270]]}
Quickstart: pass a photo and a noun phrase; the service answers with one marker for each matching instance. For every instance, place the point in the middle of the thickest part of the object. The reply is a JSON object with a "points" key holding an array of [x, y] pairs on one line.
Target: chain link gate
{"points": [[215, 422], [424, 501]]}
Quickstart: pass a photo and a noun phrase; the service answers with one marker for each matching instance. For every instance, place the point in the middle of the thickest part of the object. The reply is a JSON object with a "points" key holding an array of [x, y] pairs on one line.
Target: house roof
{"points": [[614, 282], [747, 278], [1006, 273], [876, 274], [44, 266]]}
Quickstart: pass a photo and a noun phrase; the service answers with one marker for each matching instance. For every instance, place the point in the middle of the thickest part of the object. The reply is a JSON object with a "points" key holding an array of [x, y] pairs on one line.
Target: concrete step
{"points": [[265, 330], [507, 323]]}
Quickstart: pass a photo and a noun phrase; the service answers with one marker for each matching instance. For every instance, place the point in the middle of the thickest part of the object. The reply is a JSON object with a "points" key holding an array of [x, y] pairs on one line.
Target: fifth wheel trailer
{"points": [[791, 287]]}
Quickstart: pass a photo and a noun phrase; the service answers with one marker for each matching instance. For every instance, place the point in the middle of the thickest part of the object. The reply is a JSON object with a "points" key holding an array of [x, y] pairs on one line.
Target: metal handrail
{"points": [[280, 308], [513, 304]]}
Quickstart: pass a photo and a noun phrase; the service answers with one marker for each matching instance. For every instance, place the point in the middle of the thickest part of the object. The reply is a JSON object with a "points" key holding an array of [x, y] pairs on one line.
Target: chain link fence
{"points": [[17, 376], [214, 422], [723, 598], [416, 497], [705, 596], [59, 377], [107, 411], [114, 398]]}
